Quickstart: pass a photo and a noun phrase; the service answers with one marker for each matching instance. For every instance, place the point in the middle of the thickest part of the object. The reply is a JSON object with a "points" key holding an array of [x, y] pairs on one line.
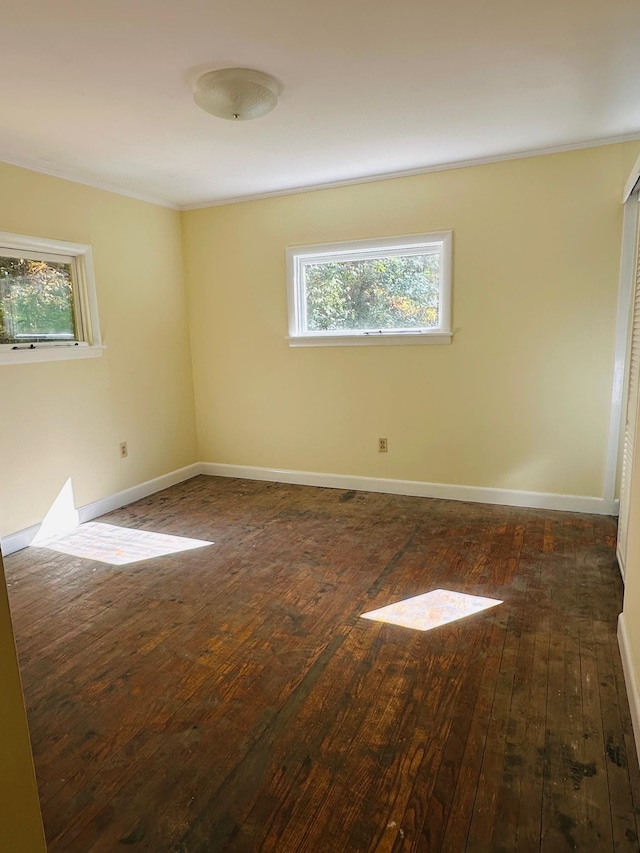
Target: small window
{"points": [[48, 306], [391, 291]]}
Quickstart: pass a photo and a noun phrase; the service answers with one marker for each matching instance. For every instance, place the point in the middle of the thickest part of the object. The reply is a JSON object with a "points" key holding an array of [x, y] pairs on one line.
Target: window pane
{"points": [[36, 301], [373, 294]]}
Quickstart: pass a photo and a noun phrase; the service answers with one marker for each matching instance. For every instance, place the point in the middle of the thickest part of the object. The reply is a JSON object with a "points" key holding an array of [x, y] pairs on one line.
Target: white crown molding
{"points": [[68, 174], [22, 538], [415, 488], [422, 170], [630, 680], [77, 178]]}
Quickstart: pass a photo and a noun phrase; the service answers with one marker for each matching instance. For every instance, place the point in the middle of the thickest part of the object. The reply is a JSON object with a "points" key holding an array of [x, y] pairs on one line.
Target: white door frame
{"points": [[623, 327]]}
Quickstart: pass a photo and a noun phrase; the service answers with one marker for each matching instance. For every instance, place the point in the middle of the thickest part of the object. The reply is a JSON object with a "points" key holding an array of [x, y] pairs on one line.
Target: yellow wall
{"points": [[520, 400], [20, 822], [66, 419]]}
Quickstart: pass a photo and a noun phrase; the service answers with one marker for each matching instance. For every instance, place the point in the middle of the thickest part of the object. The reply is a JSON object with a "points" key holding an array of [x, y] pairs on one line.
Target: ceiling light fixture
{"points": [[237, 94]]}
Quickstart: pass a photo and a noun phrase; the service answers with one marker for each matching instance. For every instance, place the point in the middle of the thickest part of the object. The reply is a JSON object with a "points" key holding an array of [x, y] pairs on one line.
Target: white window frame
{"points": [[80, 256], [299, 256]]}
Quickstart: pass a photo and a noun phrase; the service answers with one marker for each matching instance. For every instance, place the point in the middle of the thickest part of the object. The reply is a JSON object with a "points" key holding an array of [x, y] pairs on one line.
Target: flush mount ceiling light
{"points": [[237, 94]]}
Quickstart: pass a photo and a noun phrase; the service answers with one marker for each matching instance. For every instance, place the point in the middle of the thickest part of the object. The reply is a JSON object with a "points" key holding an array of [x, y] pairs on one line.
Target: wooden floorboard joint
{"points": [[230, 697]]}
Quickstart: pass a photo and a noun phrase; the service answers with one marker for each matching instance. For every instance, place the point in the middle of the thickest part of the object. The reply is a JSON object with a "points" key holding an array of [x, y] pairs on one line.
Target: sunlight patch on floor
{"points": [[431, 609], [119, 546]]}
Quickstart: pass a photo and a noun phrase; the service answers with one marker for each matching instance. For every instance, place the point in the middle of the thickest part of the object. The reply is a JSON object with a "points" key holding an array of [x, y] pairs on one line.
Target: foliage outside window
{"points": [[376, 291], [47, 300], [36, 300]]}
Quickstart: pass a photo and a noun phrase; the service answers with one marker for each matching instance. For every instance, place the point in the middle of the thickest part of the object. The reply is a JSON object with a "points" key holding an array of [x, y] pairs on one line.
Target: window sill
{"points": [[40, 354], [405, 339]]}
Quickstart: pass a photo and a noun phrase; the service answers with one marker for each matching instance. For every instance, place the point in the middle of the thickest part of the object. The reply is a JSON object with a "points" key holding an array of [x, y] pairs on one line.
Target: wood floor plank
{"points": [[231, 699], [621, 772]]}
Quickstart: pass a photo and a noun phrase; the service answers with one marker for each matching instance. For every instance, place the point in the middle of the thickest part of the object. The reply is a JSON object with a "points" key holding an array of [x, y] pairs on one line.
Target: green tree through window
{"points": [[36, 300], [379, 293], [385, 290]]}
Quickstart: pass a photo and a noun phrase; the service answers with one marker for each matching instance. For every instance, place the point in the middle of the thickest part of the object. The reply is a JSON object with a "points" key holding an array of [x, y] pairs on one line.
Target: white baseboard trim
{"points": [[20, 539], [23, 538], [136, 493], [630, 680], [476, 494]]}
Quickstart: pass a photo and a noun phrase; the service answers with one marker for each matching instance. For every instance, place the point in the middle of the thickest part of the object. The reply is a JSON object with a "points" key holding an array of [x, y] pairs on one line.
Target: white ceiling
{"points": [[102, 92]]}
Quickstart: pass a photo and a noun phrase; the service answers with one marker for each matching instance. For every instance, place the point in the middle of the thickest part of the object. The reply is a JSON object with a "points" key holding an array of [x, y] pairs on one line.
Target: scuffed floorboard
{"points": [[230, 697]]}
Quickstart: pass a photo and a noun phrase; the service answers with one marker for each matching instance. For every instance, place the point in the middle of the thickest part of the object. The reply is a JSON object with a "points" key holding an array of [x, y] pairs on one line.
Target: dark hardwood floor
{"points": [[230, 698]]}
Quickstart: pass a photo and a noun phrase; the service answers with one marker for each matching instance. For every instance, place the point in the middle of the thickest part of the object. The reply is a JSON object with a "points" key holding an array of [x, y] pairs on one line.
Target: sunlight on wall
{"points": [[431, 610], [119, 546], [62, 516]]}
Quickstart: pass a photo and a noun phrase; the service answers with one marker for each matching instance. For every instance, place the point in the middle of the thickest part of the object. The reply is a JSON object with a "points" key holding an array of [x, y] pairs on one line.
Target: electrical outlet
{"points": [[382, 445], [124, 450]]}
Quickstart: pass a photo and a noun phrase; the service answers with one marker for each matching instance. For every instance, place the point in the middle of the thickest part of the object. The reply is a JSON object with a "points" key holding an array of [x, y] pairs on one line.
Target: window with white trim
{"points": [[48, 307], [388, 291]]}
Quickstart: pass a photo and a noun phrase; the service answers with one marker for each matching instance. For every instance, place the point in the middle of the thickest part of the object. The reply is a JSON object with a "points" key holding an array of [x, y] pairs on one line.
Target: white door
{"points": [[630, 421]]}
